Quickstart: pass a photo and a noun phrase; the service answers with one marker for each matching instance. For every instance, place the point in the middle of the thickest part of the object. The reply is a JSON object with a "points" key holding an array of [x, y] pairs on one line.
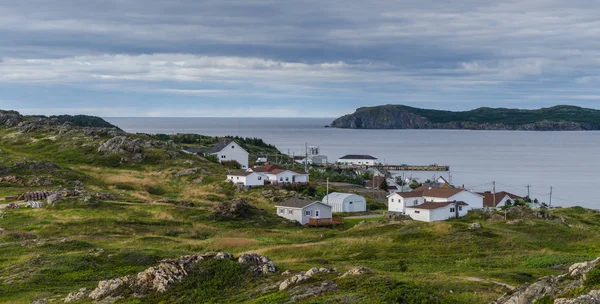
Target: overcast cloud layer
{"points": [[294, 58]]}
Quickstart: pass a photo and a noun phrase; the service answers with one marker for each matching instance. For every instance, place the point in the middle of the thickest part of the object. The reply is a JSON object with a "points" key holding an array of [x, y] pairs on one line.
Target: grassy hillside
{"points": [[153, 207]]}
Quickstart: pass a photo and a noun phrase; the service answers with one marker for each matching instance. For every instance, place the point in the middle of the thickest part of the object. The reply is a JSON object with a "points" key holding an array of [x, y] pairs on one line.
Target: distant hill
{"points": [[13, 118], [557, 118]]}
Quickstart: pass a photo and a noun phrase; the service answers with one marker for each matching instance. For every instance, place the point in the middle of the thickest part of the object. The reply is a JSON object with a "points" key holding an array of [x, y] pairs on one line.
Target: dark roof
{"points": [[436, 205], [488, 198], [410, 194], [266, 168], [240, 173], [392, 188], [353, 156], [442, 192], [219, 147], [295, 202], [194, 150]]}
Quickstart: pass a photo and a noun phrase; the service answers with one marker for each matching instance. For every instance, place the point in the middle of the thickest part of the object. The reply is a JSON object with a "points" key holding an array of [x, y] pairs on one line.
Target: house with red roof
{"points": [[437, 211], [248, 179], [499, 200]]}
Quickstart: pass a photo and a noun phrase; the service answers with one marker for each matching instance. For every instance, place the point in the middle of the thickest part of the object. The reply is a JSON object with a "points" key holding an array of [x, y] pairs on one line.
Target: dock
{"points": [[411, 168]]}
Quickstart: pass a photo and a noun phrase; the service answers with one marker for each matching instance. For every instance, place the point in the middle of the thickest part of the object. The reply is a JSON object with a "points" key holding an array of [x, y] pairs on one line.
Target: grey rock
{"points": [[258, 264], [356, 271], [53, 198], [312, 291], [592, 297], [475, 226], [76, 296]]}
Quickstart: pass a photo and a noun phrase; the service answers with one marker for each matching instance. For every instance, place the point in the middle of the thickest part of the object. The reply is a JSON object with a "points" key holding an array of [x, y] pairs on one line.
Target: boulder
{"points": [[592, 297], [185, 172], [76, 296], [108, 288], [356, 271], [53, 198], [552, 286], [258, 264], [237, 208], [303, 276], [312, 291], [475, 226]]}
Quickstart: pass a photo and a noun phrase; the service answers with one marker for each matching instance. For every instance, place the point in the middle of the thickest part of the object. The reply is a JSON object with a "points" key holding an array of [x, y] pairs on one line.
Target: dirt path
{"points": [[475, 279]]}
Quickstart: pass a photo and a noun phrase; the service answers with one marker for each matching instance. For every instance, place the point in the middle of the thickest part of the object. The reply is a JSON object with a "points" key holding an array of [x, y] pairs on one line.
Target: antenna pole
{"points": [[550, 205], [528, 186], [494, 188]]}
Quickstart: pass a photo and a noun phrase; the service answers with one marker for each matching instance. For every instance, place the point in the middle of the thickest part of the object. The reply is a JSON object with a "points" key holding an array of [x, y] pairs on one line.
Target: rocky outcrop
{"points": [[131, 149], [159, 278], [356, 271], [77, 295], [559, 118], [303, 276], [552, 286], [258, 264], [592, 297], [311, 291], [234, 209], [10, 118]]}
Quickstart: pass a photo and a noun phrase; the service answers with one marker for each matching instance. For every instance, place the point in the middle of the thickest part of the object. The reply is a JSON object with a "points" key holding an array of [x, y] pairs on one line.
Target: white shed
{"points": [[345, 202], [437, 211], [303, 210], [248, 179]]}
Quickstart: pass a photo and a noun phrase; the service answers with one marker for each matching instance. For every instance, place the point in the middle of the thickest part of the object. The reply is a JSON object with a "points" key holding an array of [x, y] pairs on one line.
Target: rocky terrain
{"points": [[580, 285], [559, 118]]}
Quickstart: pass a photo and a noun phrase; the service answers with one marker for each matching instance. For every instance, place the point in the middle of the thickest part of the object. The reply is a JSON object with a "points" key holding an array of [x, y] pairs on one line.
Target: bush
{"points": [[122, 186], [375, 205], [593, 277], [156, 190]]}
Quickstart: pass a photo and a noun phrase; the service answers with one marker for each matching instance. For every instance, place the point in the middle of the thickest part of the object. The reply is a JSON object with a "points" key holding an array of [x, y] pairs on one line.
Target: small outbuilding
{"points": [[345, 202], [303, 210], [437, 211], [248, 179]]}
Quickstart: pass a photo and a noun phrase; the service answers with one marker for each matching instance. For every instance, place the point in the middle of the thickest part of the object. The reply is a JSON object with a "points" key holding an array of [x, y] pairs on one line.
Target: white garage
{"points": [[345, 202]]}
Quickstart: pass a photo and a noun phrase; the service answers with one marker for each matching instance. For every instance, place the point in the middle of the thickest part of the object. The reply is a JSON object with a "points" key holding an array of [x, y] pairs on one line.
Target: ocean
{"points": [[566, 161]]}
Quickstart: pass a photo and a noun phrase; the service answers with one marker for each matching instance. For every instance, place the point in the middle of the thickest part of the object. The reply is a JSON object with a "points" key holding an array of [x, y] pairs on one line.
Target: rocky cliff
{"points": [[559, 118]]}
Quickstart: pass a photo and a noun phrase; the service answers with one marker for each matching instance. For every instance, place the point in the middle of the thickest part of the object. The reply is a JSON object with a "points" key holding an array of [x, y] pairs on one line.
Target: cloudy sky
{"points": [[294, 58]]}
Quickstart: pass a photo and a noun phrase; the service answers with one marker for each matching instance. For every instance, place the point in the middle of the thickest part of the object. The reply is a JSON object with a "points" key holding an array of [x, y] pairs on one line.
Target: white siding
{"points": [[317, 210], [287, 177], [435, 215], [301, 178], [398, 204], [345, 202], [252, 180], [233, 151], [474, 200]]}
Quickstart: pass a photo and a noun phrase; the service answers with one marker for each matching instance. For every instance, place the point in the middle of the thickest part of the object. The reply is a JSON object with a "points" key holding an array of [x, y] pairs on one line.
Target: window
{"points": [[237, 177], [287, 179], [452, 210], [415, 202], [281, 211], [307, 212], [281, 179], [317, 213], [459, 208], [260, 178], [232, 147], [223, 156], [392, 200], [350, 203], [417, 211], [290, 211], [232, 177]]}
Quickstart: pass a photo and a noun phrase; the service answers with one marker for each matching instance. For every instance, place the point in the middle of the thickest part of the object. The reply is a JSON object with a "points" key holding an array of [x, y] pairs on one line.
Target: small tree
{"points": [[384, 185], [414, 185]]}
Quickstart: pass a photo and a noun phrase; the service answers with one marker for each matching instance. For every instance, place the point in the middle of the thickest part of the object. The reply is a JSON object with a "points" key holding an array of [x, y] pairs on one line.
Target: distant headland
{"points": [[557, 118]]}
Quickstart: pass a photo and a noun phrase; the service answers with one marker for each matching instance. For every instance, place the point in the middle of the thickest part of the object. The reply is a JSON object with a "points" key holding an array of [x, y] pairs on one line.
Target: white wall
{"points": [[475, 201], [434, 215], [301, 215], [234, 152], [301, 178], [368, 162], [287, 177], [502, 203], [252, 180], [399, 204]]}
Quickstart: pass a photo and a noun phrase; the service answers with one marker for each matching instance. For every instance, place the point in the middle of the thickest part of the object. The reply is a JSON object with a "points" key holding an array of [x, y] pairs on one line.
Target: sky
{"points": [[309, 58]]}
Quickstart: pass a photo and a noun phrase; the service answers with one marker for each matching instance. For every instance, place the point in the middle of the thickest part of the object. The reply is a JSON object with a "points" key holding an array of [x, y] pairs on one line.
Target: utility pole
{"points": [[306, 159], [494, 189], [550, 205], [327, 191], [373, 187], [528, 186]]}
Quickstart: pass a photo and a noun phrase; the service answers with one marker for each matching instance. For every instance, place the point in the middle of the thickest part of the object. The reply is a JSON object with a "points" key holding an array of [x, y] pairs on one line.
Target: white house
{"points": [[501, 198], [357, 160], [303, 210], [229, 150], [472, 199], [345, 202], [437, 211], [397, 202], [248, 179], [278, 175]]}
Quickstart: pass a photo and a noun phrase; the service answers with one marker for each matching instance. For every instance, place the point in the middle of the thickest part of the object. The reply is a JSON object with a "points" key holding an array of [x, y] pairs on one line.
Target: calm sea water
{"points": [[567, 161]]}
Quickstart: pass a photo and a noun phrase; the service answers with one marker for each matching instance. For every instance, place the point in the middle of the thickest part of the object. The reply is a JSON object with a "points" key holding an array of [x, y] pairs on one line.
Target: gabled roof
{"points": [[275, 169], [442, 192], [337, 197], [436, 205], [356, 156], [221, 145], [409, 194], [241, 173], [488, 198], [295, 202]]}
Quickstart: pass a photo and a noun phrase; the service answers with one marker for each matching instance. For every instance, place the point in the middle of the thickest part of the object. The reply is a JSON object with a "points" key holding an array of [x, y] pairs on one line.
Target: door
{"points": [[350, 207], [317, 213]]}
